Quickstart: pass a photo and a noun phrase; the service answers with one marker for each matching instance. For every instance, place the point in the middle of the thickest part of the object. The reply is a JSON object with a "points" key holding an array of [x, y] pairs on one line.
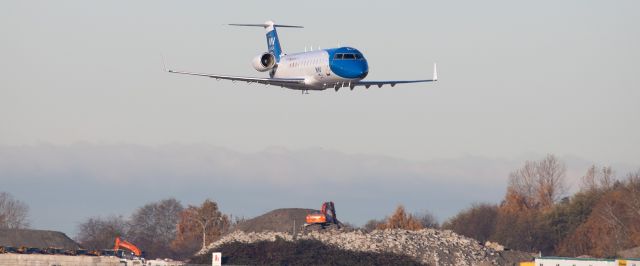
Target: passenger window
{"points": [[358, 56], [338, 56], [349, 56]]}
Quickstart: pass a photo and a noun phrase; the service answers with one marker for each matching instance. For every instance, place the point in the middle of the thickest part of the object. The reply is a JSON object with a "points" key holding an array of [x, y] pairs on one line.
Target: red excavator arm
{"points": [[124, 244], [329, 211]]}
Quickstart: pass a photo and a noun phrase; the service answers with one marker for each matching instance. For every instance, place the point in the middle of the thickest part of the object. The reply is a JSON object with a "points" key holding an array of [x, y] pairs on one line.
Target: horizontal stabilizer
{"points": [[267, 24]]}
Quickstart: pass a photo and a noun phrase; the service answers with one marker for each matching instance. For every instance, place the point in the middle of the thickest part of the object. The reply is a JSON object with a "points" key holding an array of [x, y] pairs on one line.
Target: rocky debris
{"points": [[494, 245], [300, 252], [429, 246], [36, 239]]}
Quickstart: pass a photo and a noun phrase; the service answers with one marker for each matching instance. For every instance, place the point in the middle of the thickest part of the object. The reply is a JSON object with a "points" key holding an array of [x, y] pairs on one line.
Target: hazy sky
{"points": [[515, 78], [66, 184]]}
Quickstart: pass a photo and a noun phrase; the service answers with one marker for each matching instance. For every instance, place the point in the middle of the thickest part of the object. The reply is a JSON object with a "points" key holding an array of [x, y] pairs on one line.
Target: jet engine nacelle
{"points": [[264, 62]]}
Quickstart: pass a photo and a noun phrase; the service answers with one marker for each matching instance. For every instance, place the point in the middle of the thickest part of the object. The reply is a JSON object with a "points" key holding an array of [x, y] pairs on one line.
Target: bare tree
{"points": [[533, 189], [207, 215], [551, 180], [153, 227], [427, 219], [523, 183], [99, 233], [597, 178], [372, 224], [539, 184], [590, 180], [206, 220], [13, 213], [633, 184]]}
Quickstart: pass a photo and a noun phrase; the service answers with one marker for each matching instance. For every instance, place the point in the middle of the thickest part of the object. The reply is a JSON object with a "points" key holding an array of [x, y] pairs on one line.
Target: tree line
{"points": [[14, 214], [535, 215], [600, 220], [163, 229]]}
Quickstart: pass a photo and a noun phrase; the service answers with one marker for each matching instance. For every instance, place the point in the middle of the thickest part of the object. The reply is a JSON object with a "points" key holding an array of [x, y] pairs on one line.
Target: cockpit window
{"points": [[348, 56]]}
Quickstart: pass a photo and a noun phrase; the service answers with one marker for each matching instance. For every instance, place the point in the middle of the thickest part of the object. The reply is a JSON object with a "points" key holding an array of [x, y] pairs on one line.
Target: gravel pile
{"points": [[430, 246]]}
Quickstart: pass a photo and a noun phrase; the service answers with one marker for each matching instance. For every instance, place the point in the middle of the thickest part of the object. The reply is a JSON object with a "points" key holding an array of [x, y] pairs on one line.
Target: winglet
{"points": [[164, 65], [435, 72]]}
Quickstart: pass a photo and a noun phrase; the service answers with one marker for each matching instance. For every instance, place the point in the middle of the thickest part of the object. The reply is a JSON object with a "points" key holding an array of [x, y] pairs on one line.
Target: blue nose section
{"points": [[348, 63], [350, 70]]}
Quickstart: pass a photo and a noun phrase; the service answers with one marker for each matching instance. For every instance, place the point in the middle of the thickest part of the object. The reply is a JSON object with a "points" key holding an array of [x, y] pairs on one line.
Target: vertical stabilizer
{"points": [[273, 42]]}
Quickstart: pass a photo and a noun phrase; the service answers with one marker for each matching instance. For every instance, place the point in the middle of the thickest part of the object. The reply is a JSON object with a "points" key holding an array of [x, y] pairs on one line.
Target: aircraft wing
{"points": [[368, 83], [267, 81], [380, 83]]}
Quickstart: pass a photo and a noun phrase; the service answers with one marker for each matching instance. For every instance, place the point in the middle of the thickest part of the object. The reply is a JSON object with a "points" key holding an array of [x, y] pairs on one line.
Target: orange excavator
{"points": [[124, 244], [323, 219]]}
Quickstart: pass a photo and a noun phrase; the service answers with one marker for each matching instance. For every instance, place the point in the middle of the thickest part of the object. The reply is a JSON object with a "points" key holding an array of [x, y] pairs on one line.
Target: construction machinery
{"points": [[324, 219], [53, 251], [29, 250], [120, 243], [77, 252]]}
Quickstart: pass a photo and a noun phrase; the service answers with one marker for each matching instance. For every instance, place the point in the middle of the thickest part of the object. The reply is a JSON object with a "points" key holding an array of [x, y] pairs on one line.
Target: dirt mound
{"points": [[427, 246], [279, 220], [36, 239], [302, 252]]}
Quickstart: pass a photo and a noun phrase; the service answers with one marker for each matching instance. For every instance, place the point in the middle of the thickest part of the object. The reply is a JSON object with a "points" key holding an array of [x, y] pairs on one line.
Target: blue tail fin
{"points": [[273, 43]]}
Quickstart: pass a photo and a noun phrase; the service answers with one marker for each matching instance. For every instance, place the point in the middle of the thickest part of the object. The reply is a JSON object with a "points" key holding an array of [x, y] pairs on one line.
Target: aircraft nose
{"points": [[364, 71], [350, 69], [363, 74]]}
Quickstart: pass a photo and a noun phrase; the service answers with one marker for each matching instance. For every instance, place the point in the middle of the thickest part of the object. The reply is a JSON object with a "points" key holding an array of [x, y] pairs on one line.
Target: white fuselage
{"points": [[314, 67]]}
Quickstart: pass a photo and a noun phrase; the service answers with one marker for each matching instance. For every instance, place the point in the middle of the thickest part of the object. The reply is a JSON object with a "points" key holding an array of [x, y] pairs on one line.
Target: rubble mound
{"points": [[300, 252], [427, 246], [36, 239], [279, 220]]}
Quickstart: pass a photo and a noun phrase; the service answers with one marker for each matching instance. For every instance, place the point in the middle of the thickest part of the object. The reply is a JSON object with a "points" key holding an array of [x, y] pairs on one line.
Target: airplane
{"points": [[310, 70]]}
